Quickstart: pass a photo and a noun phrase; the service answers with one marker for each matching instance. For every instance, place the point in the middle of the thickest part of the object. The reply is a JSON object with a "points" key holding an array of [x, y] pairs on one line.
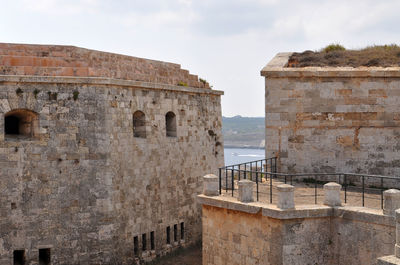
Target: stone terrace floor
{"points": [[304, 193]]}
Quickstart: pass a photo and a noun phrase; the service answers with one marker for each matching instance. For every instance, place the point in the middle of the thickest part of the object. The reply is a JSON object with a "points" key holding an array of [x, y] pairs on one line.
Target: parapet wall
{"points": [[57, 60], [256, 233], [332, 119]]}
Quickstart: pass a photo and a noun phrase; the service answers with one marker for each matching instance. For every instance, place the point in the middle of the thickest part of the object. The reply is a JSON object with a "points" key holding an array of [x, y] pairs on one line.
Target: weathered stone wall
{"points": [[333, 119], [58, 60], [85, 186], [257, 233]]}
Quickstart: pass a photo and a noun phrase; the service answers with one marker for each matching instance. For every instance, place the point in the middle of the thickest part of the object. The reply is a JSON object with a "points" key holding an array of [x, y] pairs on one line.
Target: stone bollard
{"points": [[245, 190], [391, 201], [210, 185], [285, 196], [332, 194]]}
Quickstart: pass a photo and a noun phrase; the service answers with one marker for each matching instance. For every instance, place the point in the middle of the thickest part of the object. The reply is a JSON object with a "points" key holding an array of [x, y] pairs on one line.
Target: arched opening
{"points": [[170, 124], [21, 123], [139, 124]]}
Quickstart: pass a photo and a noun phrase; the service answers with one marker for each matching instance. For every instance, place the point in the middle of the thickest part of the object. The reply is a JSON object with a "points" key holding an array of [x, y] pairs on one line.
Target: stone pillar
{"points": [[245, 190], [332, 194], [285, 196], [397, 246], [393, 259], [391, 201], [210, 185]]}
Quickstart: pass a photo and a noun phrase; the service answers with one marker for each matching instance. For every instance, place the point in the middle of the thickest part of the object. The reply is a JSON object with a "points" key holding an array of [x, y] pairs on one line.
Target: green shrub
{"points": [[333, 47]]}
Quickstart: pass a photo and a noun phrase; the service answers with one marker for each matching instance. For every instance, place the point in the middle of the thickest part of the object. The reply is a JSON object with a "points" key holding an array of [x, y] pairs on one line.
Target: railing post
{"points": [[210, 185], [220, 180], [245, 190], [285, 196], [391, 201], [332, 194]]}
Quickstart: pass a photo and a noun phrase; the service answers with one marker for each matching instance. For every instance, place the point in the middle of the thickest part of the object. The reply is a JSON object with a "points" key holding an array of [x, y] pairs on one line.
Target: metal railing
{"points": [[265, 171]]}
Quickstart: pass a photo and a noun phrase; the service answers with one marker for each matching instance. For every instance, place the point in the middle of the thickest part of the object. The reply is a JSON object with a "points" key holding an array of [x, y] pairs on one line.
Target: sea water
{"points": [[241, 155]]}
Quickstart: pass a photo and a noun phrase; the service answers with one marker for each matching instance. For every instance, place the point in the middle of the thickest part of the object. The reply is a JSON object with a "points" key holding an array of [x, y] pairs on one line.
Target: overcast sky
{"points": [[226, 42]]}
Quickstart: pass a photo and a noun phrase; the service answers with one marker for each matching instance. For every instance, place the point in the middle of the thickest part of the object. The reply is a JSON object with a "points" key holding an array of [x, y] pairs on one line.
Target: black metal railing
{"points": [[264, 171]]}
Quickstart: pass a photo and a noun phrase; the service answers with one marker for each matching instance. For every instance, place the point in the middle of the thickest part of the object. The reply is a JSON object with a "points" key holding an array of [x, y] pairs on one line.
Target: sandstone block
{"points": [[332, 194], [285, 196], [391, 201], [245, 190], [210, 185]]}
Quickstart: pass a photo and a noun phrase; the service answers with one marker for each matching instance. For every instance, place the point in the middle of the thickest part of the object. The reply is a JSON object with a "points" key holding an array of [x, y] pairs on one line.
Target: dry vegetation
{"points": [[335, 55]]}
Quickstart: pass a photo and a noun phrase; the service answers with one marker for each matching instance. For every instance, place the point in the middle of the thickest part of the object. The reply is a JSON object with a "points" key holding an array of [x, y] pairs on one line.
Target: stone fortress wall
{"points": [[327, 119], [93, 177], [240, 231]]}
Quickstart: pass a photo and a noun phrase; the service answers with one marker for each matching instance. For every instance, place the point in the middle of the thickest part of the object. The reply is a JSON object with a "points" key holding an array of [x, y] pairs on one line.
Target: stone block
{"points": [[245, 190], [391, 201], [388, 260], [210, 185], [285, 196], [332, 194]]}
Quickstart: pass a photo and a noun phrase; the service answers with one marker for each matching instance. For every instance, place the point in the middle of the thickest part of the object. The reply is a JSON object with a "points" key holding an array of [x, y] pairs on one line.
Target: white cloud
{"points": [[225, 41]]}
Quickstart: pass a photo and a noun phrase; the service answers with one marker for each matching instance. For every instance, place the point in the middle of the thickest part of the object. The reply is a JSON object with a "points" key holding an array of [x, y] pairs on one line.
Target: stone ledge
{"points": [[388, 260], [229, 203], [276, 68], [303, 211], [361, 214], [104, 81]]}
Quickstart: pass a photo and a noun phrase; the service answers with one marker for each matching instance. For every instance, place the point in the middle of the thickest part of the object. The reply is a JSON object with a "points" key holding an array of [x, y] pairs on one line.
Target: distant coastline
{"points": [[244, 132], [243, 146]]}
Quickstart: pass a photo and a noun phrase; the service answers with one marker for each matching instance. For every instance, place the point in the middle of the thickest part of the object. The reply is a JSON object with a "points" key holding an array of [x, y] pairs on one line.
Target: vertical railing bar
{"points": [[226, 179], [220, 180], [381, 193], [239, 173], [251, 171], [233, 181], [257, 184], [270, 188], [363, 191], [345, 188], [315, 190]]}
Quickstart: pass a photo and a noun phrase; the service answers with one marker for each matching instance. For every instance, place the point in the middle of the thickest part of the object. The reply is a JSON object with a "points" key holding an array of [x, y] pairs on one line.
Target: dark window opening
{"points": [[44, 256], [21, 122], [168, 235], [175, 232], [19, 257], [170, 123], [139, 124], [144, 242], [136, 246], [182, 231], [11, 125], [152, 245]]}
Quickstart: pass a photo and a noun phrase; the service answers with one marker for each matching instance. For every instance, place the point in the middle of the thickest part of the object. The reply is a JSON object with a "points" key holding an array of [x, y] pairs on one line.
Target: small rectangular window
{"points": [[175, 232], [19, 257], [182, 231], [144, 242], [44, 256], [152, 243], [168, 235], [136, 246]]}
